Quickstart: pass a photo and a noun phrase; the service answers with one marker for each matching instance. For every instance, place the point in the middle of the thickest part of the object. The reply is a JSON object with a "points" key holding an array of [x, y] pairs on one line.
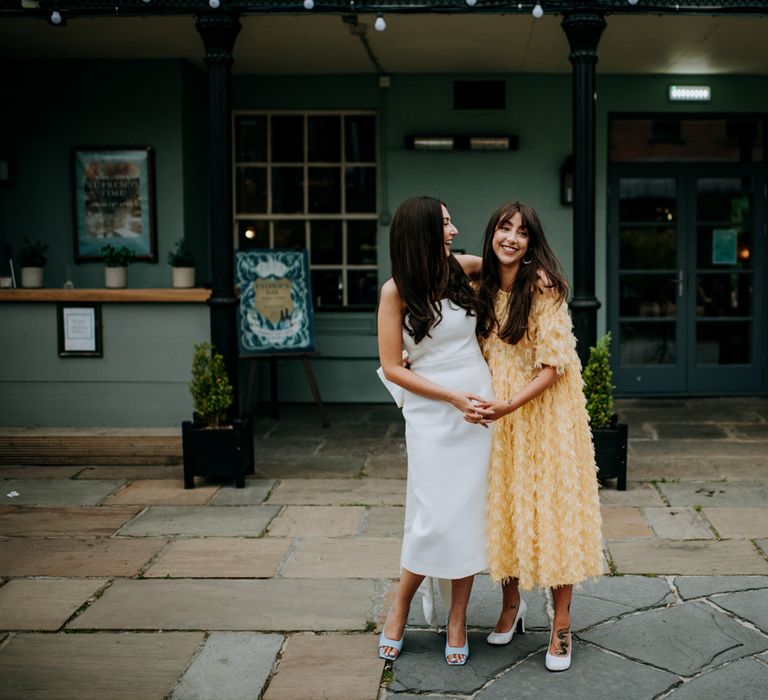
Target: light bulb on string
{"points": [[538, 11], [471, 3], [55, 17], [309, 4], [632, 2], [214, 4], [380, 25]]}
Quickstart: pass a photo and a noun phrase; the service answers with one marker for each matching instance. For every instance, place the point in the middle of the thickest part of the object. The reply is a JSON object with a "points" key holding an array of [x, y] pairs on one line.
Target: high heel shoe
{"points": [[396, 644], [456, 651], [560, 661], [502, 638]]}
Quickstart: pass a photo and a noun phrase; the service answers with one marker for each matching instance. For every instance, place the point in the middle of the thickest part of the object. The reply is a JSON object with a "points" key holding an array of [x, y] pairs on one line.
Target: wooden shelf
{"points": [[165, 295]]}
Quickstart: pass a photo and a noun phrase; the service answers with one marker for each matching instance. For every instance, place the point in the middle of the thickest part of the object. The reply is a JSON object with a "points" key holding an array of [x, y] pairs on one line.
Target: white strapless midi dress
{"points": [[445, 509]]}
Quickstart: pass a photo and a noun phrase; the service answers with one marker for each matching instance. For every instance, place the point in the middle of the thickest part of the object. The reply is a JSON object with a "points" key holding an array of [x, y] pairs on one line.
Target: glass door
{"points": [[726, 263], [646, 282]]}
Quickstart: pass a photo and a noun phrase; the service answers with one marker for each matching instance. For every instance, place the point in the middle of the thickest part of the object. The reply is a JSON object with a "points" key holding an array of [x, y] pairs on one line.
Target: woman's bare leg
{"points": [[398, 615], [561, 600], [509, 605], [457, 618]]}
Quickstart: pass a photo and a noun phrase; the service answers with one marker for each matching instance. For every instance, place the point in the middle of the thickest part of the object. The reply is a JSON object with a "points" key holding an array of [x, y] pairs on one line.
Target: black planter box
{"points": [[225, 451], [611, 454]]}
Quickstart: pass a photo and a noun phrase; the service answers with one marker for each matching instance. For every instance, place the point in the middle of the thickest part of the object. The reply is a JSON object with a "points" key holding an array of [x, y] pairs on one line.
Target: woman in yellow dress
{"points": [[543, 508]]}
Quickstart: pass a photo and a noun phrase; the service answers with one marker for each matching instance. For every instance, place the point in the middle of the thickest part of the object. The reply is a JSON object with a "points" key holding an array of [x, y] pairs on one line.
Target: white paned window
{"points": [[308, 180]]}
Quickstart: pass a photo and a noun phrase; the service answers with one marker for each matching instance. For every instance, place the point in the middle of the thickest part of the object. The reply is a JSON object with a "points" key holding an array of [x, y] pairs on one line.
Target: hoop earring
{"points": [[527, 262]]}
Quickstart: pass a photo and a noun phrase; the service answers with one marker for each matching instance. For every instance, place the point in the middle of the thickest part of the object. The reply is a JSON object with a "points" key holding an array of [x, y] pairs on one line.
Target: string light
{"points": [[471, 3], [538, 11], [214, 4], [380, 25], [56, 17], [632, 2], [309, 4]]}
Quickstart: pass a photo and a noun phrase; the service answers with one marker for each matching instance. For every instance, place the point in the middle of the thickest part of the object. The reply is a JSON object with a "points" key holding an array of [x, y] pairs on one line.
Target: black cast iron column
{"points": [[218, 32], [583, 29]]}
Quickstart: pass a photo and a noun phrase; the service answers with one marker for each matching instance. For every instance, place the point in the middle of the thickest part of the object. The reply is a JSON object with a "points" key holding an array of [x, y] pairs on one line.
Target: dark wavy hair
{"points": [[543, 272], [422, 272]]}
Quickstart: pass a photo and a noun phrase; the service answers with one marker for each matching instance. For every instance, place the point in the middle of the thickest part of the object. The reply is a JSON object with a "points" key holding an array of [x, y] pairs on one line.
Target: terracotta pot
{"points": [[32, 277], [183, 277], [115, 277]]}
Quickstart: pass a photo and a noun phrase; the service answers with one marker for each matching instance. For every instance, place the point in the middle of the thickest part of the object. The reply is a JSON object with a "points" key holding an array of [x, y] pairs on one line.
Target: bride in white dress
{"points": [[429, 309]]}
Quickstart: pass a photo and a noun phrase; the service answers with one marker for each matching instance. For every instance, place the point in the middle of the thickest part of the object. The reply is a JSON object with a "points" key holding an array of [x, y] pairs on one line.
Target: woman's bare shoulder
{"points": [[390, 293]]}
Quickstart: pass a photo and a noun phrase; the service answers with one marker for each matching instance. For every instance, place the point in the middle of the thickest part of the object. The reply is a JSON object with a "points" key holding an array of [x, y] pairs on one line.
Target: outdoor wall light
{"points": [[462, 143], [566, 181], [690, 93], [380, 25]]}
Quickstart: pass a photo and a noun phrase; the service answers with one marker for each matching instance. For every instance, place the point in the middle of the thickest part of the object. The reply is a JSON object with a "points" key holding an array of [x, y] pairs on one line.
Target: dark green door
{"points": [[686, 277]]}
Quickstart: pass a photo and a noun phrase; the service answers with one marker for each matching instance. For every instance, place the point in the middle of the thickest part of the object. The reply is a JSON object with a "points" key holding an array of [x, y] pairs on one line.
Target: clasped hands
{"points": [[480, 411]]}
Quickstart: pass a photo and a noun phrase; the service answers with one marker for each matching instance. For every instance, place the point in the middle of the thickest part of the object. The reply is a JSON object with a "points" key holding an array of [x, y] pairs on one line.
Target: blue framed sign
{"points": [[275, 311]]}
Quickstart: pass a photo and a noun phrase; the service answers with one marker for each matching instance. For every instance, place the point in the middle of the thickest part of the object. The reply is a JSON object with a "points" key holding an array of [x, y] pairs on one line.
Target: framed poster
{"points": [[113, 201], [724, 242], [275, 311], [79, 330]]}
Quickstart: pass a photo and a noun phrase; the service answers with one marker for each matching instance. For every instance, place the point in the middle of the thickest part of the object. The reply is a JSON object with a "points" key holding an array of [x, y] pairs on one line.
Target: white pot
{"points": [[183, 277], [32, 277], [115, 277]]}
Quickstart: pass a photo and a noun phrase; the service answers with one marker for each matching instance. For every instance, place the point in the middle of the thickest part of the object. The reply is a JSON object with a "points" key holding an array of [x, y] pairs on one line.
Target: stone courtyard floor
{"points": [[118, 583]]}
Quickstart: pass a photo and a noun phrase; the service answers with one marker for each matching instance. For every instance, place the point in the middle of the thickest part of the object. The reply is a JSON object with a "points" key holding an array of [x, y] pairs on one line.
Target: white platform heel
{"points": [[502, 638], [560, 660]]}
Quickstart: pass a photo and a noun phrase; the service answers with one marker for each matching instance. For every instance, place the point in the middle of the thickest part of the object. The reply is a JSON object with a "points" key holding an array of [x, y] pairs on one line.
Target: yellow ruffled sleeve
{"points": [[555, 344]]}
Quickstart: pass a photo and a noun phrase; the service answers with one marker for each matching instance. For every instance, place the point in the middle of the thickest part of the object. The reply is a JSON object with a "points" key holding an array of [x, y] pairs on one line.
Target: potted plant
{"points": [[212, 445], [32, 259], [608, 435], [116, 261], [182, 262]]}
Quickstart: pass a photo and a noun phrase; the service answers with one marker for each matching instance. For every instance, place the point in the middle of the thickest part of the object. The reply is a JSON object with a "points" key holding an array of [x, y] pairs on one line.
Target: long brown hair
{"points": [[423, 273], [541, 270]]}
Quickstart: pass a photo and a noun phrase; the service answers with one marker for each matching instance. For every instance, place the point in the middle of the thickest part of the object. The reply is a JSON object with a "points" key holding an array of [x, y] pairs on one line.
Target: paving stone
{"points": [[95, 666], [739, 523], [235, 521], [225, 604], [254, 493], [750, 677], [43, 604], [594, 674], [690, 431], [34, 472], [317, 521], [231, 666], [333, 666], [163, 492], [221, 557], [362, 446], [656, 468], [694, 411], [132, 472], [622, 523], [763, 544], [348, 430], [716, 494], [678, 523], [684, 639], [24, 556], [691, 449], [338, 492], [93, 521], [748, 605], [637, 494], [697, 586], [742, 469], [313, 466], [386, 466], [359, 557], [758, 431], [384, 521], [421, 667], [58, 492], [695, 558]]}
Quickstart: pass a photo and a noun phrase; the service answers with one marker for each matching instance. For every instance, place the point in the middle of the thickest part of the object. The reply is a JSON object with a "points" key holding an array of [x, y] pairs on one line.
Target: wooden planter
{"points": [[611, 453], [225, 451]]}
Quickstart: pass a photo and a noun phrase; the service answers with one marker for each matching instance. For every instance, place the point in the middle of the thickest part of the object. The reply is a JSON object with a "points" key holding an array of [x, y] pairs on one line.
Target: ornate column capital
{"points": [[583, 29], [218, 31]]}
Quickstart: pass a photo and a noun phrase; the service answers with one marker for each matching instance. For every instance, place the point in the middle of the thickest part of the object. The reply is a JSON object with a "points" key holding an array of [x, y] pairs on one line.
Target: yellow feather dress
{"points": [[544, 525]]}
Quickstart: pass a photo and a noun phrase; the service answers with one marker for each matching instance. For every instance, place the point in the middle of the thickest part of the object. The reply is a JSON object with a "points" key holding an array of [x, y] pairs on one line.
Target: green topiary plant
{"points": [[33, 253], [182, 255], [598, 384], [210, 387], [117, 256]]}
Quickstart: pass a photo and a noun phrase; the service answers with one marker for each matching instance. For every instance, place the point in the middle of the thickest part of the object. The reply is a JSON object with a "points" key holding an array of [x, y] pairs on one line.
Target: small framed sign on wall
{"points": [[79, 330]]}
